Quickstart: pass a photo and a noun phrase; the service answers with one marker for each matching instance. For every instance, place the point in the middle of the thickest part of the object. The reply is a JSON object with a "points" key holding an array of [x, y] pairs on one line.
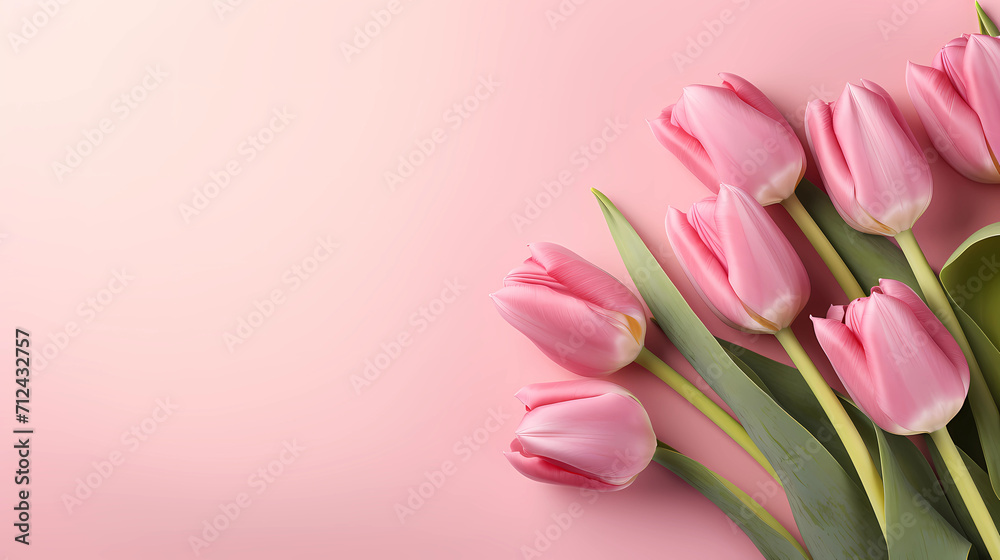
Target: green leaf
{"points": [[982, 481], [986, 25], [915, 530], [832, 512], [870, 257], [969, 278], [770, 538]]}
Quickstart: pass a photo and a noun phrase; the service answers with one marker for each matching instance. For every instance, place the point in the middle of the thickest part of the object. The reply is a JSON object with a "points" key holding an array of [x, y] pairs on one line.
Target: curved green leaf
{"points": [[982, 481], [770, 538], [971, 278], [986, 25], [832, 512]]}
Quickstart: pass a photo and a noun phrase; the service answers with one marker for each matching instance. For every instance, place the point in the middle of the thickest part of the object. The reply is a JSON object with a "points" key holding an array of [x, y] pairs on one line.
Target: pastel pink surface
{"points": [[399, 299]]}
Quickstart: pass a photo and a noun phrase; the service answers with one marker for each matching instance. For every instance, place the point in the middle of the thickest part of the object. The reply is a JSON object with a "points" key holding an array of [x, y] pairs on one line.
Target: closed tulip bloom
{"points": [[874, 170], [581, 317], [587, 433], [896, 359], [739, 261], [956, 99], [733, 135]]}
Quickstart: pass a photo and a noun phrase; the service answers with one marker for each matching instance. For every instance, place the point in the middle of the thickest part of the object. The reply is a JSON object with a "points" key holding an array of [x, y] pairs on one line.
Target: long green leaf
{"points": [[915, 530], [832, 512], [772, 540]]}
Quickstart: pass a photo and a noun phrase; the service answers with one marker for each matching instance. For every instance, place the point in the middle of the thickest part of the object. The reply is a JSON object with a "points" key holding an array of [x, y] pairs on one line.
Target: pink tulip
{"points": [[739, 261], [874, 170], [733, 135], [956, 100], [578, 315], [587, 433], [896, 359]]}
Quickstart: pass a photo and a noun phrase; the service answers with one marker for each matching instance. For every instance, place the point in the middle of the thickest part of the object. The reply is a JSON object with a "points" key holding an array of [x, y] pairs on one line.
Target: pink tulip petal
{"points": [[894, 110], [706, 273], [892, 179], [951, 60], [833, 167], [541, 394], [982, 74], [896, 346], [607, 437], [931, 324], [748, 149], [540, 470], [764, 270], [755, 98], [686, 148], [952, 125], [588, 282], [575, 334], [848, 359]]}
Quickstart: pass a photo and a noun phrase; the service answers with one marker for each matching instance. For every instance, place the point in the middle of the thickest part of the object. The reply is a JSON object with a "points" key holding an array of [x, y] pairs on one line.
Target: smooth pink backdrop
{"points": [[546, 86]]}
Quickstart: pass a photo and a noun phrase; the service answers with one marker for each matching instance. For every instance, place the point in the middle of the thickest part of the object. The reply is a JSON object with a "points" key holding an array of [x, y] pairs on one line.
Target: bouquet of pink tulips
{"points": [[918, 351]]}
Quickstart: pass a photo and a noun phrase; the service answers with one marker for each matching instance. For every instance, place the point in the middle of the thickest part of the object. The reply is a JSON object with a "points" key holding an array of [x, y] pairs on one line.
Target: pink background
{"points": [[360, 449]]}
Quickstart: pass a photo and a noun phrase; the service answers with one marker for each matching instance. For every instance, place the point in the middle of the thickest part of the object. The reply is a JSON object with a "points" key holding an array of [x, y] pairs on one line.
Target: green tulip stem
{"points": [[980, 399], [819, 241], [967, 489], [842, 424], [707, 406]]}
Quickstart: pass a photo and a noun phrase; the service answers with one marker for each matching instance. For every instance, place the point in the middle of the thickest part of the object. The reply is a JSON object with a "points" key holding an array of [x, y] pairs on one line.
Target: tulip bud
{"points": [[578, 315], [733, 135], [896, 359], [956, 100], [874, 170], [585, 433], [739, 261]]}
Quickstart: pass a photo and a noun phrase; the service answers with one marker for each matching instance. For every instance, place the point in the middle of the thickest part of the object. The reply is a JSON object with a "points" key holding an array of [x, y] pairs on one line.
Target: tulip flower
{"points": [[907, 373], [733, 135], [586, 433], [896, 359], [581, 317], [956, 100], [874, 170], [739, 261]]}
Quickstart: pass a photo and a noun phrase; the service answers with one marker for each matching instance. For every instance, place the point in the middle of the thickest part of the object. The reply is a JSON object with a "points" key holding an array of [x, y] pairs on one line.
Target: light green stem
{"points": [[845, 428], [967, 488], [983, 406], [707, 406], [819, 241]]}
